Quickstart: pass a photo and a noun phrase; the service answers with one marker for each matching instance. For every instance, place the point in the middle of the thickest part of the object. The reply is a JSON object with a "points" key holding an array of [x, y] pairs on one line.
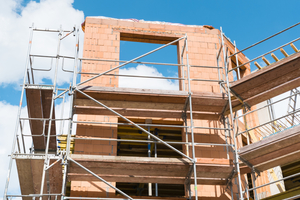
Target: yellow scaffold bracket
{"points": [[257, 65], [284, 52]]}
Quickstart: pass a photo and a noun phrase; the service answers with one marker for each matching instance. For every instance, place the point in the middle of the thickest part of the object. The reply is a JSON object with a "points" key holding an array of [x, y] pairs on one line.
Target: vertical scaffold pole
{"points": [[247, 190], [155, 155], [232, 121], [51, 113], [254, 185], [188, 185], [226, 135], [226, 132], [191, 120], [65, 160], [18, 116], [231, 191], [182, 67], [219, 74], [149, 155], [61, 116], [237, 63]]}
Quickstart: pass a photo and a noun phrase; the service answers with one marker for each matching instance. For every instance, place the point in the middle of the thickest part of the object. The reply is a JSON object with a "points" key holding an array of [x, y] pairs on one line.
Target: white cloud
{"points": [[145, 83], [8, 117], [15, 21], [14, 35]]}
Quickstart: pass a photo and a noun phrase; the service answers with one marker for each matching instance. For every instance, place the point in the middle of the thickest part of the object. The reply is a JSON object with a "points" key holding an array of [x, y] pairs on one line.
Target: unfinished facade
{"points": [[133, 143]]}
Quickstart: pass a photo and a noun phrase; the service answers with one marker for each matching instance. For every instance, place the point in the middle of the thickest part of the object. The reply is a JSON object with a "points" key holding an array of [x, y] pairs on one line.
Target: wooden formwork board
{"points": [[148, 102], [30, 176], [39, 105], [279, 149], [270, 81], [144, 169]]}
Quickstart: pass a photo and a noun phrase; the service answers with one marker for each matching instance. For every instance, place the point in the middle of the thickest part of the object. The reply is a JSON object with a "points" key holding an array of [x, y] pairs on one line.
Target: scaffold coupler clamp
{"points": [[255, 171], [71, 90], [64, 160]]}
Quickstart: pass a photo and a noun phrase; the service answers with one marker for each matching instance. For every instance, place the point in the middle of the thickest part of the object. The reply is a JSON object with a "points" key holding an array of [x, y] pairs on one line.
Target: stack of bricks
{"points": [[102, 41]]}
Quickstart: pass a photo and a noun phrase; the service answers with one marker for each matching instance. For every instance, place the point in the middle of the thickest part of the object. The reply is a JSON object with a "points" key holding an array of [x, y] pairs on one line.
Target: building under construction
{"points": [[216, 137]]}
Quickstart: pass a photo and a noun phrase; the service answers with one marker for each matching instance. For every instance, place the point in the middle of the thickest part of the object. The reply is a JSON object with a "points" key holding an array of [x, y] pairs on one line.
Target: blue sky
{"points": [[246, 22]]}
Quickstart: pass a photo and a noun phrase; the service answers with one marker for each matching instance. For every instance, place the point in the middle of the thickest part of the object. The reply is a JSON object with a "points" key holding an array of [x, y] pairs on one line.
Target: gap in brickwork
{"points": [[144, 150], [136, 149], [130, 50], [141, 189], [290, 169]]}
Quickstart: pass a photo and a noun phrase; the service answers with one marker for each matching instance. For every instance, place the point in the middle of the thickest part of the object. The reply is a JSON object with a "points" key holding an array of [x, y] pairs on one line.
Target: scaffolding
{"points": [[52, 156], [263, 130]]}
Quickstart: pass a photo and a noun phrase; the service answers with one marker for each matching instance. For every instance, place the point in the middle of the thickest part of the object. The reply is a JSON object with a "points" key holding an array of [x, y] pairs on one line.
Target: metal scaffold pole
{"points": [[69, 132], [46, 162], [191, 122], [237, 62], [254, 184], [236, 158]]}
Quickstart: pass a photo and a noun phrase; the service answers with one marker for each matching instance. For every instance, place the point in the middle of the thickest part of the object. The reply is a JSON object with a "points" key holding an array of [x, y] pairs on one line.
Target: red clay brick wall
{"points": [[102, 41], [97, 147], [91, 189], [203, 44]]}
